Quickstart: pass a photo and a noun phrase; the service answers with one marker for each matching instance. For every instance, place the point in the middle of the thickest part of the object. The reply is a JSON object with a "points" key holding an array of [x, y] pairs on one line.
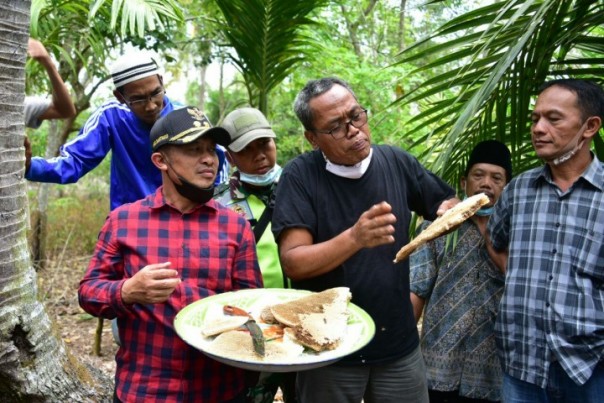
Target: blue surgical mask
{"points": [[485, 211], [261, 180]]}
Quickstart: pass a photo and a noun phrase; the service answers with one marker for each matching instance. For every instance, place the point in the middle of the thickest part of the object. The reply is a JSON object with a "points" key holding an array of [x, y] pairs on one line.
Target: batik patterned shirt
{"points": [[462, 289]]}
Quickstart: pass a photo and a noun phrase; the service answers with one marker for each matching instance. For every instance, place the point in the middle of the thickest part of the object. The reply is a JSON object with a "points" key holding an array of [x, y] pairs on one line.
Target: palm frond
{"points": [[135, 17], [269, 40], [494, 59]]}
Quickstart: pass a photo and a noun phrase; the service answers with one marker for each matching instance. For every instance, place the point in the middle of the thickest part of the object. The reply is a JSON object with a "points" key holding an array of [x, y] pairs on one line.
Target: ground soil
{"points": [[58, 285]]}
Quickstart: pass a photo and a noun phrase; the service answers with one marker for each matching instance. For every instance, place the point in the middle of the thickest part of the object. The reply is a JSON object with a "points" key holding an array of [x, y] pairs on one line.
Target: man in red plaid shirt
{"points": [[161, 253]]}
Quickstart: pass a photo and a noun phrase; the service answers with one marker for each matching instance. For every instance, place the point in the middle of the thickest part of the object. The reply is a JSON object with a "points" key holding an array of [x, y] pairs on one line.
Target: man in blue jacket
{"points": [[121, 126]]}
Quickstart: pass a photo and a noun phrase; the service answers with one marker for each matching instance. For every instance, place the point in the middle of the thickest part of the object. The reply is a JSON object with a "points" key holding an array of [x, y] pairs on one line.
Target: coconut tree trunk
{"points": [[34, 363]]}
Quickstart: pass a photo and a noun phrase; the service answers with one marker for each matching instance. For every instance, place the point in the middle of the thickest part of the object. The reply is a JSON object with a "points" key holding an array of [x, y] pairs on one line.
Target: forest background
{"points": [[357, 41], [436, 76], [409, 61]]}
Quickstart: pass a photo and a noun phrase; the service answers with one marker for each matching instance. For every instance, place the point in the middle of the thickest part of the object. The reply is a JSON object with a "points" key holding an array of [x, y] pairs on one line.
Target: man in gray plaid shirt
{"points": [[549, 221]]}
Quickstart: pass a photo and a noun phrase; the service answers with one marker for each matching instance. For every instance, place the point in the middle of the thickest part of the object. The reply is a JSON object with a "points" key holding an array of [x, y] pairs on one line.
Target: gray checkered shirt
{"points": [[553, 302]]}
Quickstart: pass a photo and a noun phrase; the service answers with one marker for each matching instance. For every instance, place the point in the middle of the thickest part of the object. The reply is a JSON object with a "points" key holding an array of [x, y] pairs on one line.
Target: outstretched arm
{"points": [[62, 106], [302, 259]]}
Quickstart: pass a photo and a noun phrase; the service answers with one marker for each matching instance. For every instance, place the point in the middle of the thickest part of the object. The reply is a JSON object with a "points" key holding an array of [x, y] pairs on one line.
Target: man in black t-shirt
{"points": [[342, 212]]}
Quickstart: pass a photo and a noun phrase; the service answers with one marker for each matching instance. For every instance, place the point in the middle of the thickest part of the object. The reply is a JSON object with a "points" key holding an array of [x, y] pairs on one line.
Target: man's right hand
{"points": [[151, 285], [375, 226], [302, 259], [36, 50]]}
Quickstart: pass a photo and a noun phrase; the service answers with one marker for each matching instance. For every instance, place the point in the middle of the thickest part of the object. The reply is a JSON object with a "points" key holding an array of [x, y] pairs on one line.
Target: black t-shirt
{"points": [[325, 204]]}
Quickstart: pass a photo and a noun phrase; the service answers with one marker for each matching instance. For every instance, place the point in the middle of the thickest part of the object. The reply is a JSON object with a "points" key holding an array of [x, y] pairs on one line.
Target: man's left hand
{"points": [[446, 205]]}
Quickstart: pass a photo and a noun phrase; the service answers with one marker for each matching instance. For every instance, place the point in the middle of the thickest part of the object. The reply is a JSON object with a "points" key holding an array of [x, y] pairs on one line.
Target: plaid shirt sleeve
{"points": [[498, 226], [100, 289]]}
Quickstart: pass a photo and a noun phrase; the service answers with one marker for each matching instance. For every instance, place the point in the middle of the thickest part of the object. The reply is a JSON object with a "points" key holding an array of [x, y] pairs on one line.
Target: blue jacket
{"points": [[112, 127]]}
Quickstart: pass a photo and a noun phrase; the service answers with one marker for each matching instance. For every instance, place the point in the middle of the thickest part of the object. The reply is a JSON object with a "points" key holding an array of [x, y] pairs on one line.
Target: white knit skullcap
{"points": [[133, 66]]}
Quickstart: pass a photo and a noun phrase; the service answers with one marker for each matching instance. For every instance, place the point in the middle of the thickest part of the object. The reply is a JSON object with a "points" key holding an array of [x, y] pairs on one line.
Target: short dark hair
{"points": [[590, 96], [312, 89]]}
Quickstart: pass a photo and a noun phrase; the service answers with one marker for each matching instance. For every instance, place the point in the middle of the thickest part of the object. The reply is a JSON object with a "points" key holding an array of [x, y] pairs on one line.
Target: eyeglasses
{"points": [[358, 120], [142, 101]]}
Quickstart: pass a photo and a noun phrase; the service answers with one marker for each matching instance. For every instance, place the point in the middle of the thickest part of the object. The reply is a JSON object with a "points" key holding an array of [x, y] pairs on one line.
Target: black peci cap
{"points": [[491, 152]]}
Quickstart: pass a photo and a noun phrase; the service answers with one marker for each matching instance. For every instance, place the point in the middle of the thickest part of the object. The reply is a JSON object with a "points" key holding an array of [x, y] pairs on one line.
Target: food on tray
{"points": [[235, 344], [222, 324], [450, 219], [250, 325], [317, 321], [238, 345], [267, 316]]}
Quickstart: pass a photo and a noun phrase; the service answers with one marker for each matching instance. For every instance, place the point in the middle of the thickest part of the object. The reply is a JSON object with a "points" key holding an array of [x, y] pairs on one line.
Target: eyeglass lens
{"points": [[153, 97], [357, 121]]}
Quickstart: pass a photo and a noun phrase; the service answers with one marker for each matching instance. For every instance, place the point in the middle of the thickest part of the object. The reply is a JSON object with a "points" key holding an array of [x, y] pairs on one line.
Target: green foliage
{"points": [[37, 139], [267, 36], [136, 17], [75, 215], [220, 103], [493, 59], [369, 73], [201, 42], [83, 36], [277, 46], [290, 137]]}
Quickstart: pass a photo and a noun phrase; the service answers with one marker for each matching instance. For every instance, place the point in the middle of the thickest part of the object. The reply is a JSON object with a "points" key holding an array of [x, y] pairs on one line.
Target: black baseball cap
{"points": [[183, 126]]}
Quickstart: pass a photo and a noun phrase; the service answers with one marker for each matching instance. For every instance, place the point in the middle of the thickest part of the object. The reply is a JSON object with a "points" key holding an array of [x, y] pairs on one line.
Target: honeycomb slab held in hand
{"points": [[450, 219]]}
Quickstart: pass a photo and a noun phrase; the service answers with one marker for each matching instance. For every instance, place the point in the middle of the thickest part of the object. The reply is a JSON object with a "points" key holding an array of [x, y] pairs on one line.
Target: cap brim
{"points": [[218, 134], [250, 136]]}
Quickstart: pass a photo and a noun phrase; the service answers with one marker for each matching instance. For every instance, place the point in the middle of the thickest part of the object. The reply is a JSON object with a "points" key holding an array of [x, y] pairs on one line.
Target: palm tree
{"points": [[492, 61], [268, 38], [34, 363]]}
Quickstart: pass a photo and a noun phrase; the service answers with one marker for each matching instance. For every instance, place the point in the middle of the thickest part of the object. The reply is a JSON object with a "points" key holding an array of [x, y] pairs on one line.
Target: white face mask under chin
{"points": [[569, 154], [351, 172]]}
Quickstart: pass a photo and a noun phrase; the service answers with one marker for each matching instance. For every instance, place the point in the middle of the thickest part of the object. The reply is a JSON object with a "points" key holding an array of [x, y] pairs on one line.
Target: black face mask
{"points": [[191, 191]]}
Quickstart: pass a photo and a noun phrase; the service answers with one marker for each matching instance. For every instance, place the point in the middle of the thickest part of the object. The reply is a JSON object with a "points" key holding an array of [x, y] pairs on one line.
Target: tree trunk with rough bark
{"points": [[401, 26], [34, 363]]}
